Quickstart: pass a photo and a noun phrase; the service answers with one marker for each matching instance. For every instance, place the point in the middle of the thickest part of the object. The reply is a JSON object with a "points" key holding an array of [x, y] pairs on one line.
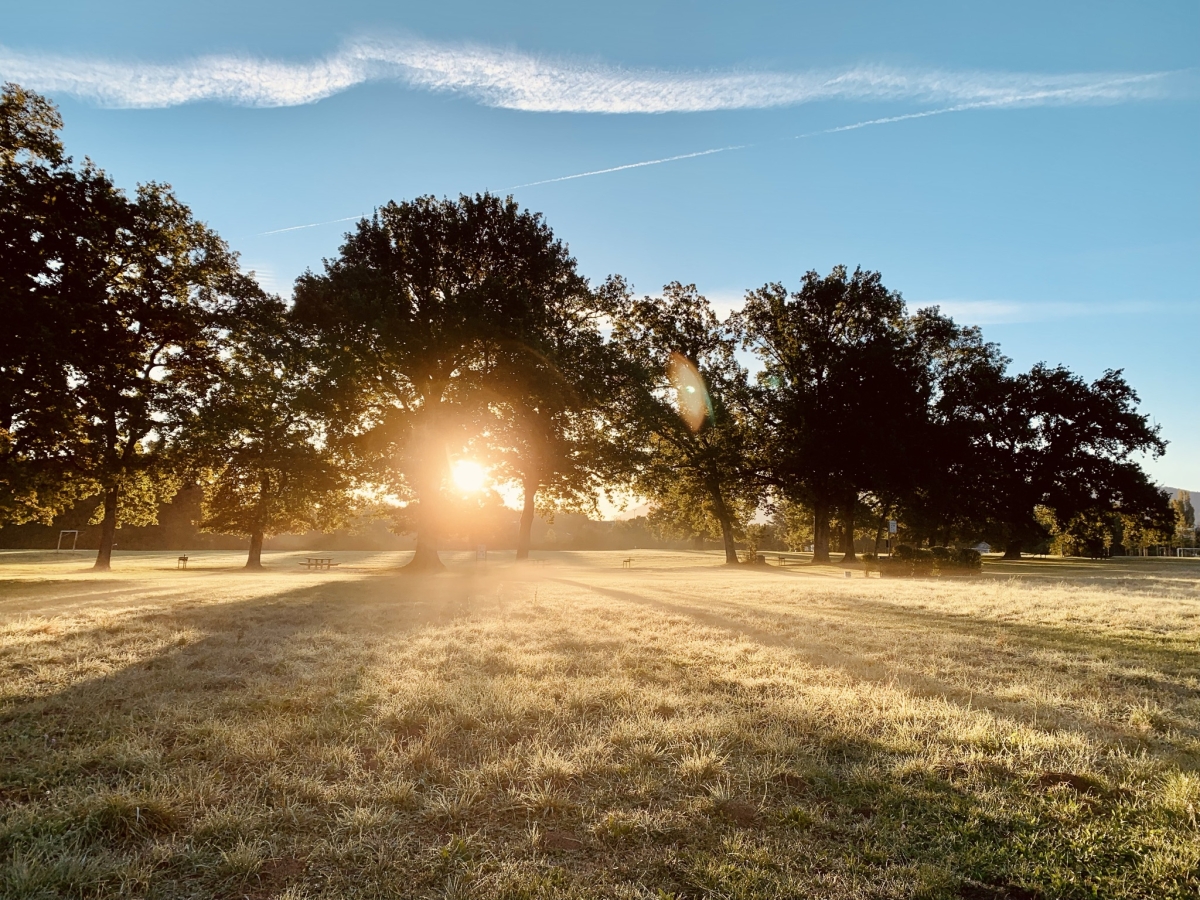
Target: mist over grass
{"points": [[576, 729]]}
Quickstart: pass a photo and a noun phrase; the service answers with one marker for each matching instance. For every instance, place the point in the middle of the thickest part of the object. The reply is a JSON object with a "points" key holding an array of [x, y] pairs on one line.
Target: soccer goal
{"points": [[1187, 551], [74, 540]]}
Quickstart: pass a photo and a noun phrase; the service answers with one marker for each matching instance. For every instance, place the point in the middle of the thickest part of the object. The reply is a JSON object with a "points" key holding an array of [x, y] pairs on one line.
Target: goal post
{"points": [[74, 539]]}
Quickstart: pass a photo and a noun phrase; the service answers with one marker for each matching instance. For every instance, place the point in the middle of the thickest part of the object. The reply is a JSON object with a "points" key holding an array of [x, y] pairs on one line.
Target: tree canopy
{"points": [[260, 439], [425, 302], [694, 453]]}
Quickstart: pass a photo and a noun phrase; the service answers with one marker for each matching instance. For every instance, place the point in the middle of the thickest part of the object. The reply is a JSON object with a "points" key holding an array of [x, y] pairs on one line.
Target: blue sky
{"points": [[1054, 197]]}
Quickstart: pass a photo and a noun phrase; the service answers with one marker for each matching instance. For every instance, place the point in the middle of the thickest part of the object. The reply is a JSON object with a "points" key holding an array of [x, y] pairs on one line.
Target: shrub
{"points": [[967, 560], [907, 562], [910, 562]]}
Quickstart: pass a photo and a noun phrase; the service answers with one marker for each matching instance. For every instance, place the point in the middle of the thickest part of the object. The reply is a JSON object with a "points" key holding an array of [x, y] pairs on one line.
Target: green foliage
{"points": [[701, 475], [1185, 519], [118, 307], [29, 127], [260, 436], [794, 522], [425, 307], [908, 561], [1185, 513]]}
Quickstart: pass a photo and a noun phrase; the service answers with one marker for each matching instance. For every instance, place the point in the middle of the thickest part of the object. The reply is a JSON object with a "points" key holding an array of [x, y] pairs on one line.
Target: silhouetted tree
{"points": [[117, 309], [840, 383], [46, 213], [937, 478], [260, 436], [413, 314], [1048, 439], [551, 394], [688, 432]]}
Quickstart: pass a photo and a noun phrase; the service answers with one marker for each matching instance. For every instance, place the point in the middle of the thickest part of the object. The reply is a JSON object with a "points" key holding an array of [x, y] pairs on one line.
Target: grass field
{"points": [[576, 729]]}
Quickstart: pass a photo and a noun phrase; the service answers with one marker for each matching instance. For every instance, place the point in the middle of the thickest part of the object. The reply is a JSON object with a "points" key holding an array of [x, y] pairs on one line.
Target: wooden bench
{"points": [[181, 562], [788, 561], [318, 562], [627, 562]]}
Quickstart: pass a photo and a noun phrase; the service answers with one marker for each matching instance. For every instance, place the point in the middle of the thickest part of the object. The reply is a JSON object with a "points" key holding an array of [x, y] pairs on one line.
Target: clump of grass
{"points": [[701, 762]]}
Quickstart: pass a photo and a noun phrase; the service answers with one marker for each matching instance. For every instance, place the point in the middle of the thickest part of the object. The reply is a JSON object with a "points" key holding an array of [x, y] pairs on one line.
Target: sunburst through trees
{"points": [[450, 350]]}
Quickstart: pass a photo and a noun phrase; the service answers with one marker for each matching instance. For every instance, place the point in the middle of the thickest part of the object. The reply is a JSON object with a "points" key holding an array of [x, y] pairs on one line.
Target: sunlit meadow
{"points": [[575, 728]]}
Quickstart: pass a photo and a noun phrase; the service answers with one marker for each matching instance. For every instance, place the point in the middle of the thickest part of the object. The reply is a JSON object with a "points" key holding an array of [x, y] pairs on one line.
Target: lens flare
{"points": [[468, 476], [692, 396]]}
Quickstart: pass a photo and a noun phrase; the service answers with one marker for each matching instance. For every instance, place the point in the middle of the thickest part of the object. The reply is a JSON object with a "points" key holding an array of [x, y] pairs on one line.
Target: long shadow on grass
{"points": [[859, 666], [260, 643], [302, 654], [1175, 656]]}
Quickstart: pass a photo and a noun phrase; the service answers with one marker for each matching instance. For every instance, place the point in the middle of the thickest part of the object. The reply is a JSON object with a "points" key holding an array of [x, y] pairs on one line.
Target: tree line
{"points": [[138, 358]]}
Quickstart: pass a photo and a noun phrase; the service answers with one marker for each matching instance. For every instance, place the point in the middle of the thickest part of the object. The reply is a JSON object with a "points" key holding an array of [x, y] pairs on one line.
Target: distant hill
{"points": [[1174, 492]]}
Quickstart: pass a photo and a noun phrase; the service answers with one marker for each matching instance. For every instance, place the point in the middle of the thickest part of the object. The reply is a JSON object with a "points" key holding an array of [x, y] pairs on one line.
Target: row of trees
{"points": [[139, 358]]}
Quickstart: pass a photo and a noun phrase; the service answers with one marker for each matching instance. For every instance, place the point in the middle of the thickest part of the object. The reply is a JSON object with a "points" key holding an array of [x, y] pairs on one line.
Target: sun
{"points": [[468, 476]]}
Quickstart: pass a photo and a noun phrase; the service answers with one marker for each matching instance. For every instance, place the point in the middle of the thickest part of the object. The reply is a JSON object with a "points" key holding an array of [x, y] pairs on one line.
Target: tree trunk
{"points": [[820, 532], [425, 558], [254, 560], [849, 555], [726, 520], [731, 557], [108, 530], [525, 533], [430, 473], [1012, 550]]}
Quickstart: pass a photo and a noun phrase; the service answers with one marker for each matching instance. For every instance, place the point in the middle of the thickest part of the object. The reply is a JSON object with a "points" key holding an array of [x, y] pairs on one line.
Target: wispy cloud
{"points": [[510, 79]]}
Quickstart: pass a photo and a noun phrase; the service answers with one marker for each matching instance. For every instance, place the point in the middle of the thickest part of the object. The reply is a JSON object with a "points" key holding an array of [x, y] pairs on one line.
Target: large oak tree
{"points": [[689, 438], [260, 436], [418, 310], [118, 307], [840, 385]]}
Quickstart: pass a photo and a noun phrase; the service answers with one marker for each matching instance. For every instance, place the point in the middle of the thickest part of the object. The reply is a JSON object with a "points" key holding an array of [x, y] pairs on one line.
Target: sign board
{"points": [[891, 526]]}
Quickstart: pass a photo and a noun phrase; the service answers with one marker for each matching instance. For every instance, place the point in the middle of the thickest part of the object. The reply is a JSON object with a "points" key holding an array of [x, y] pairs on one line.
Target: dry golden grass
{"points": [[679, 729]]}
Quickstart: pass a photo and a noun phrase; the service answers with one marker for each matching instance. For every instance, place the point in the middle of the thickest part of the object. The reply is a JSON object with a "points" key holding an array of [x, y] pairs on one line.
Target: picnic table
{"points": [[318, 562], [789, 561]]}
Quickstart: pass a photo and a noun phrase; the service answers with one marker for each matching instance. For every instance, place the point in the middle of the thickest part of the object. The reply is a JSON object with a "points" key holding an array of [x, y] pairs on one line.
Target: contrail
{"points": [[920, 115], [667, 159], [636, 165], [310, 225]]}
